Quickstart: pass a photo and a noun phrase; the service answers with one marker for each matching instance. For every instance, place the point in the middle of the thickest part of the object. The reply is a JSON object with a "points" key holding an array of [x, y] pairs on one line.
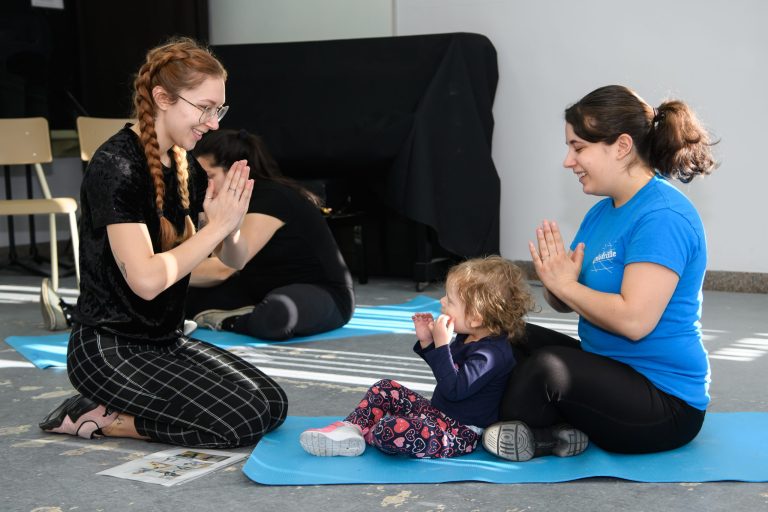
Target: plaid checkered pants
{"points": [[188, 393]]}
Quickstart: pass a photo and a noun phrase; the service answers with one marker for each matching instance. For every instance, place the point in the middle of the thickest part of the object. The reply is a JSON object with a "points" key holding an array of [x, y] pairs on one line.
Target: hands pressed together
{"points": [[429, 330], [226, 208], [556, 266]]}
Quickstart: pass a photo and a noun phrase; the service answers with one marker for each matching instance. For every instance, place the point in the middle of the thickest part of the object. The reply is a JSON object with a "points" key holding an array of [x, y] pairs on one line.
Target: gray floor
{"points": [[57, 473]]}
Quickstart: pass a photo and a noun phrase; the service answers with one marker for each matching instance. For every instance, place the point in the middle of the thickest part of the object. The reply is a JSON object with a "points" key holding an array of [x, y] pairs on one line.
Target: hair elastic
{"points": [[658, 116]]}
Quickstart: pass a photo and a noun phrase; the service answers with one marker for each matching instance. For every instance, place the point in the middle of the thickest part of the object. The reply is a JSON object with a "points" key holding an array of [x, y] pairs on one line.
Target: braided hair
{"points": [[176, 65]]}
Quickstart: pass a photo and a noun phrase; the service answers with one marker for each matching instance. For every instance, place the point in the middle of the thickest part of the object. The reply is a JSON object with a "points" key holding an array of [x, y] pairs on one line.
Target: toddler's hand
{"points": [[442, 331], [423, 324]]}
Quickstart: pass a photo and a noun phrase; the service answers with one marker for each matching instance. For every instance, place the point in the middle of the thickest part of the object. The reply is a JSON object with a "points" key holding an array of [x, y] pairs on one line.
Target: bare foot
{"points": [[423, 324]]}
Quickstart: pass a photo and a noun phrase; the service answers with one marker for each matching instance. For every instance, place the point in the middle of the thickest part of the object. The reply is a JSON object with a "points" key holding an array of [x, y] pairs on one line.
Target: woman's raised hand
{"points": [[226, 208], [555, 265]]}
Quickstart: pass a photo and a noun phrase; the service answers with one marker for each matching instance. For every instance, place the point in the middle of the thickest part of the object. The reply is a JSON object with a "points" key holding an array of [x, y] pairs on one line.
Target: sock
{"points": [[545, 441], [228, 324], [67, 309]]}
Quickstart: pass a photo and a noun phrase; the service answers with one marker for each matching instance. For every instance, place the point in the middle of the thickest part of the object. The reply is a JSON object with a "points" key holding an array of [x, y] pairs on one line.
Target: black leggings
{"points": [[555, 381], [292, 310]]}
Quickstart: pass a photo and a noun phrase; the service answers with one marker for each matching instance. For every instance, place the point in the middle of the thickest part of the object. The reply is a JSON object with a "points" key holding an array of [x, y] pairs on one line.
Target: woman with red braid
{"points": [[136, 373]]}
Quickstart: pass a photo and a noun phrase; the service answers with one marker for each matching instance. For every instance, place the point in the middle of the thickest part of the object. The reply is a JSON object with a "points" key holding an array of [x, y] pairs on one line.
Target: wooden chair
{"points": [[26, 141], [93, 131]]}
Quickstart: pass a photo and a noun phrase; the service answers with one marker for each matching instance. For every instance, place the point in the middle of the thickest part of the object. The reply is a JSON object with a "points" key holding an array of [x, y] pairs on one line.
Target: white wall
{"points": [[274, 21], [551, 53]]}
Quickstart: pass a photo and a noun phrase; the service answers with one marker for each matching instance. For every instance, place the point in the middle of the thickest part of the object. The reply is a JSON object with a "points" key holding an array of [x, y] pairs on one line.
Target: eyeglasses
{"points": [[207, 113]]}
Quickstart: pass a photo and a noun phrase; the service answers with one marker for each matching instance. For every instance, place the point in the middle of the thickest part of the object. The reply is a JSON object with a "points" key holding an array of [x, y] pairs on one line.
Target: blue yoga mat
{"points": [[730, 446], [51, 350]]}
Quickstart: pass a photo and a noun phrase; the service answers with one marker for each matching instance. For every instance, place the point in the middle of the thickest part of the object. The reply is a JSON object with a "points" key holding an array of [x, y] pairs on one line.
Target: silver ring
{"points": [[233, 189]]}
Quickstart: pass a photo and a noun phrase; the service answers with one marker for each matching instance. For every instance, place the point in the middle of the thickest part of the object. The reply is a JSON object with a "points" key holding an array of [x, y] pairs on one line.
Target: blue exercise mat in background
{"points": [[731, 446], [51, 350]]}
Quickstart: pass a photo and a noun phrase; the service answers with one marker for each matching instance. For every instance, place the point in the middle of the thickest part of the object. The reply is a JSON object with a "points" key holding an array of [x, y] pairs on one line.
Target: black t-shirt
{"points": [[303, 250], [117, 188]]}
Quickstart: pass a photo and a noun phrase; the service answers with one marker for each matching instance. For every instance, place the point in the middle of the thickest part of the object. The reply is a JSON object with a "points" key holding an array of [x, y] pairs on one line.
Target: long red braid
{"points": [[177, 65]]}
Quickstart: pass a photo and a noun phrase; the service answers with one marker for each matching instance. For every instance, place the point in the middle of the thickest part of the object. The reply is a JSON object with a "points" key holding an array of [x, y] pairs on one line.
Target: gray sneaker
{"points": [[54, 318], [514, 440], [213, 318], [568, 441]]}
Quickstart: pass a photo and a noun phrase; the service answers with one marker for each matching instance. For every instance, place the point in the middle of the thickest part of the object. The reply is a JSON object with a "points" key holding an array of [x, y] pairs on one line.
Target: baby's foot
{"points": [[339, 438], [423, 324]]}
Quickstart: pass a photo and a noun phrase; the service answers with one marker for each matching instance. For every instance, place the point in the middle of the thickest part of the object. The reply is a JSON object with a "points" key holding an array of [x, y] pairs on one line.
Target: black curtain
{"points": [[38, 62], [410, 118], [61, 63], [114, 38]]}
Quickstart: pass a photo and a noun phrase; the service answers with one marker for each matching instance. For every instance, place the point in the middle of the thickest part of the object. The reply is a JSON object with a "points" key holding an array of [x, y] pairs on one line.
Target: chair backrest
{"points": [[93, 131], [25, 140]]}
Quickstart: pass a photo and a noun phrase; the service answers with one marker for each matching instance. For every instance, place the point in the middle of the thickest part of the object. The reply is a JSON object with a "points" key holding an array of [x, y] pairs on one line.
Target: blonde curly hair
{"points": [[495, 289]]}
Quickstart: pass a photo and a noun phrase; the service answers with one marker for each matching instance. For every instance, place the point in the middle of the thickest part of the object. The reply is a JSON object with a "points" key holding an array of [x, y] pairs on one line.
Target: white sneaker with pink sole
{"points": [[340, 438]]}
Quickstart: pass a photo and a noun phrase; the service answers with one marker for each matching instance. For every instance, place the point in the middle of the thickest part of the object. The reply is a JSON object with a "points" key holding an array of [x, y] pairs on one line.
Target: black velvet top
{"points": [[117, 188]]}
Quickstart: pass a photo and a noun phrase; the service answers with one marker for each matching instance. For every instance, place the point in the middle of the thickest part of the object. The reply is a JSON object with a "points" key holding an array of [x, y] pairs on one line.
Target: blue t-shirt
{"points": [[658, 225]]}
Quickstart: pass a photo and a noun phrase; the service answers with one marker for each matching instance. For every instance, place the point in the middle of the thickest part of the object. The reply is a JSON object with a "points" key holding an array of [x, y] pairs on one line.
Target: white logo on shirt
{"points": [[604, 260]]}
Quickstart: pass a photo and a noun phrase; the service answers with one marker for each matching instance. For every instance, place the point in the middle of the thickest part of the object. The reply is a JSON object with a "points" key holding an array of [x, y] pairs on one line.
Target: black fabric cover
{"points": [[410, 116]]}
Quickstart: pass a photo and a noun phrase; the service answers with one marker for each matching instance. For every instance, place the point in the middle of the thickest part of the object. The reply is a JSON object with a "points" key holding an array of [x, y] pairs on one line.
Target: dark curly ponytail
{"points": [[669, 138]]}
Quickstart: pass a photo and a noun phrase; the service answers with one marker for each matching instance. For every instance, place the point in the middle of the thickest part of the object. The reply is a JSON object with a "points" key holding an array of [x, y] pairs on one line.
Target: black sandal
{"points": [[78, 416]]}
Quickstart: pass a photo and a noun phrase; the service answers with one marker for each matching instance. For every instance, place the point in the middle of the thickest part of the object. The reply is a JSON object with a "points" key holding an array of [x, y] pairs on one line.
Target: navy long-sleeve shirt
{"points": [[471, 377]]}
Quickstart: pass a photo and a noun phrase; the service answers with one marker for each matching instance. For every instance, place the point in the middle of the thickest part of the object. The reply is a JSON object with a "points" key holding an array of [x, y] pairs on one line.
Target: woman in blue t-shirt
{"points": [[638, 381]]}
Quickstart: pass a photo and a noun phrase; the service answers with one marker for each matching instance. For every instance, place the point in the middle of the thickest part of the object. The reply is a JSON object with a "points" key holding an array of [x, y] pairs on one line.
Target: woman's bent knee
{"points": [[541, 379], [247, 434], [275, 318]]}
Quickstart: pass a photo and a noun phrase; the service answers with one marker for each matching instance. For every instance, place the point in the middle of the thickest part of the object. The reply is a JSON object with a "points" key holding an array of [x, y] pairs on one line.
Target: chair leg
{"points": [[54, 252], [43, 182], [74, 237]]}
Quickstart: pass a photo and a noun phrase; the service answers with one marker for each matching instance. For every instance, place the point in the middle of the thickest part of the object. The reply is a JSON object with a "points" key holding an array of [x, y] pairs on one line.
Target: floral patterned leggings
{"points": [[397, 420]]}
